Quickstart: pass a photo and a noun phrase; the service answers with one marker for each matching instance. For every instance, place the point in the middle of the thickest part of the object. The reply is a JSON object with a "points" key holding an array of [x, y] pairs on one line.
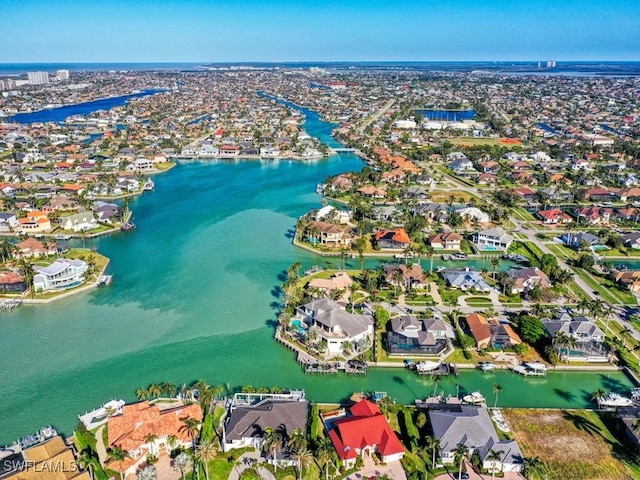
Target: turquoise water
{"points": [[195, 296]]}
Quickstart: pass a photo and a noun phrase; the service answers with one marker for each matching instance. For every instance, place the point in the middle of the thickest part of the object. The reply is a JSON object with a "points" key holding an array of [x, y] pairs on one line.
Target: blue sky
{"points": [[320, 30]]}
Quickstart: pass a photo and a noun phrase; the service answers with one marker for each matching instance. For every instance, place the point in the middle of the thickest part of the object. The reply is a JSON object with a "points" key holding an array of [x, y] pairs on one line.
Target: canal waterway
{"points": [[59, 114], [194, 297]]}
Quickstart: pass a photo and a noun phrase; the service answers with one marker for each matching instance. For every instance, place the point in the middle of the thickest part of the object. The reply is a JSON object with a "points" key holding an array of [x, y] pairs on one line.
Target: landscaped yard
{"points": [[479, 302], [572, 445], [608, 290]]}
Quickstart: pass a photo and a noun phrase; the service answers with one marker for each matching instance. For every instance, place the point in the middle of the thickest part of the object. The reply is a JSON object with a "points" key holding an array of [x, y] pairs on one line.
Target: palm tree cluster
{"points": [[155, 390]]}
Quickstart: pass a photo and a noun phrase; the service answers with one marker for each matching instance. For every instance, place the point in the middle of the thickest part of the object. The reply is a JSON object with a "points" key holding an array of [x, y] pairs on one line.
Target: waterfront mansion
{"points": [[335, 325], [60, 275]]}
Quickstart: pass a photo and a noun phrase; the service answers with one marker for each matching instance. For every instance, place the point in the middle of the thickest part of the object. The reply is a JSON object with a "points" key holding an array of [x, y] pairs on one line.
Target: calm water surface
{"points": [[193, 297]]}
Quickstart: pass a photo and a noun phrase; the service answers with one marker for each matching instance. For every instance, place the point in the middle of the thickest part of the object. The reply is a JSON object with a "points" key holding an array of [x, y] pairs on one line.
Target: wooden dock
{"points": [[528, 372], [348, 367], [443, 370]]}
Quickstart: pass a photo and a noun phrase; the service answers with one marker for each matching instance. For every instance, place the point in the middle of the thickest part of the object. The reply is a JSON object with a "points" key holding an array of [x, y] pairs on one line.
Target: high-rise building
{"points": [[38, 78], [62, 74]]}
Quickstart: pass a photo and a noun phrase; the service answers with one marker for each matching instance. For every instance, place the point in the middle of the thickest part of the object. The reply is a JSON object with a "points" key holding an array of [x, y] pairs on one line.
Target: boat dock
{"points": [[528, 372], [9, 304], [352, 367], [105, 280], [443, 370]]}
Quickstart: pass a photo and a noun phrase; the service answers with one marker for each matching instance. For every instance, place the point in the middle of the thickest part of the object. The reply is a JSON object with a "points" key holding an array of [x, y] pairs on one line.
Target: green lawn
{"points": [[608, 290], [521, 214], [561, 251]]}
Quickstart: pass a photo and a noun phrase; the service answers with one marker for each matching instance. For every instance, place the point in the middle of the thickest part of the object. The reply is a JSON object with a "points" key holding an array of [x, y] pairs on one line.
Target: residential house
{"points": [[473, 214], [445, 241], [588, 339], [49, 460], [387, 213], [525, 279], [332, 213], [229, 150], [434, 212], [487, 179], [631, 240], [554, 216], [470, 425], [416, 192], [465, 280], [246, 424], [140, 165], [524, 193], [8, 221], [144, 429], [363, 432], [492, 239], [594, 215], [79, 222], [329, 234], [12, 283], [410, 335], [411, 276], [392, 239], [61, 274], [35, 222], [580, 240], [629, 279], [462, 165], [32, 247], [335, 325], [338, 281], [490, 332]]}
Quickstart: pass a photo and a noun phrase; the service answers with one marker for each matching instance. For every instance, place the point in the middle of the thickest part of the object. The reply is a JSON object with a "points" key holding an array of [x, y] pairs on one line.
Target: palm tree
{"points": [[206, 452], [155, 390], [495, 263], [168, 388], [324, 455], [142, 394], [398, 279], [119, 455], [532, 464], [180, 463], [150, 439], [497, 388], [625, 334], [433, 445], [459, 454], [192, 426], [303, 458], [598, 396], [148, 472], [494, 456], [272, 443], [583, 305], [88, 461]]}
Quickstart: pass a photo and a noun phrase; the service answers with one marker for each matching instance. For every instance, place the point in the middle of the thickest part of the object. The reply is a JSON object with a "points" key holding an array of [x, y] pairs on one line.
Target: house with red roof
{"points": [[393, 239], [144, 429], [554, 216], [363, 432]]}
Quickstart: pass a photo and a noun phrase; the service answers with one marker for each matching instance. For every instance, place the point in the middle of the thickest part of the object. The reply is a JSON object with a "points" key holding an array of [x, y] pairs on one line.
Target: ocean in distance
{"points": [[568, 68]]}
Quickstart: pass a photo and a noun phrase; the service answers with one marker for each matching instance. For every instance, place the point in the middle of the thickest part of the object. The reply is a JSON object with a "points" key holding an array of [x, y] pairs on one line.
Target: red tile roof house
{"points": [[553, 216], [363, 433], [595, 215], [393, 239], [132, 429]]}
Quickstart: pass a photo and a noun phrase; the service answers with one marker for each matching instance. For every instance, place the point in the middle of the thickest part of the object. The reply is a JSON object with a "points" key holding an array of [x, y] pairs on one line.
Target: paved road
{"points": [[376, 116], [621, 312]]}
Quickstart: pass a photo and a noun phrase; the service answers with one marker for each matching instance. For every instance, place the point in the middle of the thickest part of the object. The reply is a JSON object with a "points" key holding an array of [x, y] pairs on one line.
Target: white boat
{"points": [[149, 185], [63, 237], [474, 398], [486, 366], [615, 400], [427, 366], [536, 366]]}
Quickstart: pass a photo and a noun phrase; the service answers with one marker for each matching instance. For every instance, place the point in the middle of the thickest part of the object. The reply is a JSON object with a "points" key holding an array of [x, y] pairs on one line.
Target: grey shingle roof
{"points": [[251, 421]]}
